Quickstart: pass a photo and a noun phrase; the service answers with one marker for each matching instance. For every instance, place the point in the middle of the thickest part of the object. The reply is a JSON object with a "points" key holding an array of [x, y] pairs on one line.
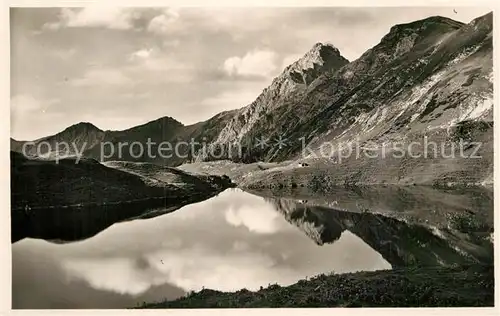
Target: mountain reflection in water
{"points": [[237, 240]]}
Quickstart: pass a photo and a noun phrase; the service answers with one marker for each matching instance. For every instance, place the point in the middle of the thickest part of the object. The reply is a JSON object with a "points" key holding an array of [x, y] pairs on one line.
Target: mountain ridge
{"points": [[425, 77]]}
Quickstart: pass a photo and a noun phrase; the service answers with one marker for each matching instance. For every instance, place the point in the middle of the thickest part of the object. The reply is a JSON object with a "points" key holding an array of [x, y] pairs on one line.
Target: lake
{"points": [[242, 240]]}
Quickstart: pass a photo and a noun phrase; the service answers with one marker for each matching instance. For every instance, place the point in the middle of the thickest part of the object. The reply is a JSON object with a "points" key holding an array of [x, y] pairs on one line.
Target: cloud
{"points": [[103, 76], [254, 268], [154, 20], [94, 16], [142, 53], [164, 22], [182, 268], [155, 60], [254, 63], [262, 220], [121, 275]]}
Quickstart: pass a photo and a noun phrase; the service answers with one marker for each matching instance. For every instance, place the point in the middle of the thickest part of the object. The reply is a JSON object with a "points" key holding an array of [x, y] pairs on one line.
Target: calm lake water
{"points": [[232, 241]]}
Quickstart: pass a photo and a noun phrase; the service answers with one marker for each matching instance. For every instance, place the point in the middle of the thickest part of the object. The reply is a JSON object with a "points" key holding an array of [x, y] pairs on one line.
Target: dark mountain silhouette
{"points": [[95, 143], [71, 201]]}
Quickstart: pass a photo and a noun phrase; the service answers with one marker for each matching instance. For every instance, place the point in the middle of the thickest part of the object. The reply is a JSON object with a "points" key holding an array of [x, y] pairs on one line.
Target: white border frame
{"points": [[5, 245]]}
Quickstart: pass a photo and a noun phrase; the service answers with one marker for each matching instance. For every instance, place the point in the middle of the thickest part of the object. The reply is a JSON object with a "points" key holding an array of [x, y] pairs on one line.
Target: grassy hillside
{"points": [[71, 201], [416, 287]]}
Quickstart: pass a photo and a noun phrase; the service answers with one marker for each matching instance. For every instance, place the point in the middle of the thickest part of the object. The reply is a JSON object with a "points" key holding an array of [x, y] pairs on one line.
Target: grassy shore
{"points": [[459, 286]]}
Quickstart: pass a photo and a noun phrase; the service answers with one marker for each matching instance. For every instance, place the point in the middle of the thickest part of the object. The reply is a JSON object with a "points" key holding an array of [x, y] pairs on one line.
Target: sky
{"points": [[121, 67]]}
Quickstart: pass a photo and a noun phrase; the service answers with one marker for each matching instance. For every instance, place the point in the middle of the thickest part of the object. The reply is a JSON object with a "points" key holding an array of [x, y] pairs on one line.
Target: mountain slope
{"points": [[426, 81], [77, 137], [16, 145], [71, 201], [265, 113], [417, 71]]}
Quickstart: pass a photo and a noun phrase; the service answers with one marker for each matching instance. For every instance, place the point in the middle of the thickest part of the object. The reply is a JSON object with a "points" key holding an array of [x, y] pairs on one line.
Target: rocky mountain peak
{"points": [[416, 37], [484, 22], [318, 55], [322, 57], [164, 122], [82, 127], [432, 20], [169, 120], [424, 28]]}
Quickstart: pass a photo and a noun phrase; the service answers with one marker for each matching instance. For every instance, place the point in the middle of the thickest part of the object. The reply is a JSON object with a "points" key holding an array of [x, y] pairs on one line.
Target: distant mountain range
{"points": [[430, 77]]}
